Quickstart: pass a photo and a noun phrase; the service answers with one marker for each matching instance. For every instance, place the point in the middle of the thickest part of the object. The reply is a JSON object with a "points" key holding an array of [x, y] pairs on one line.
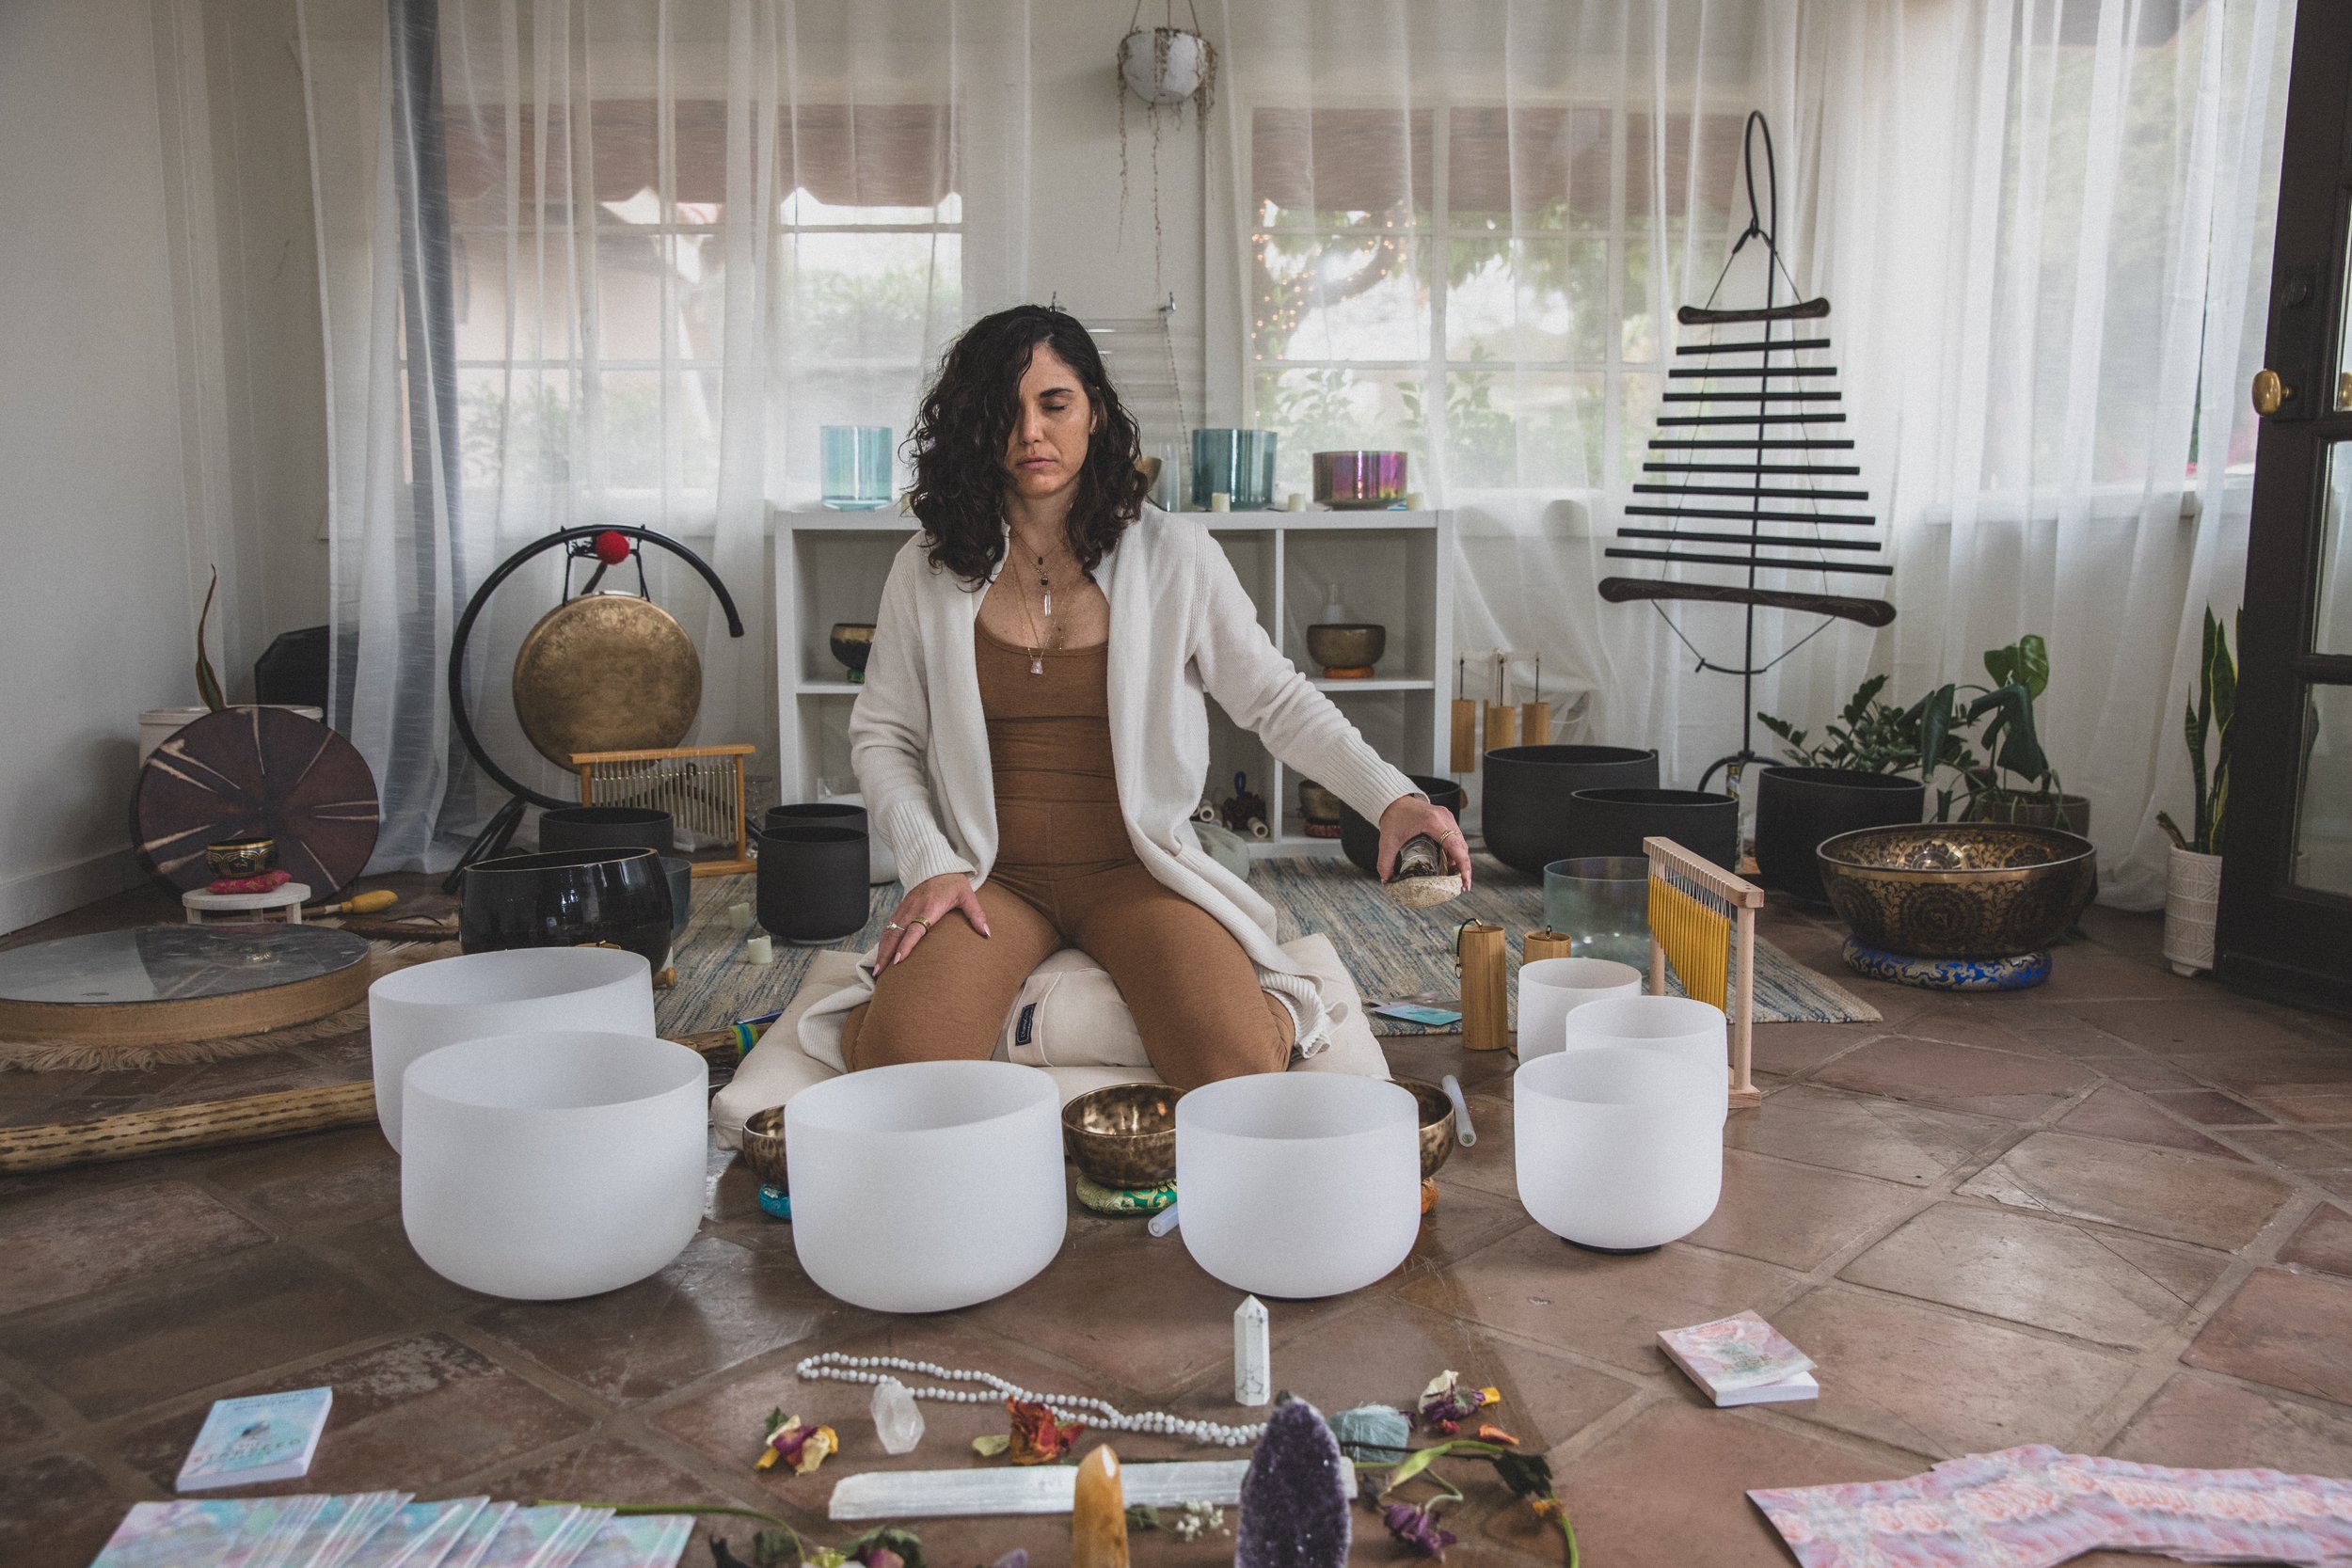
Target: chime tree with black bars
{"points": [[1746, 452]]}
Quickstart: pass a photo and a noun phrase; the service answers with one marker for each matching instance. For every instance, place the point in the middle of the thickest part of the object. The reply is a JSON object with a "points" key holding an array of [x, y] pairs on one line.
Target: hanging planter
{"points": [[1166, 66]]}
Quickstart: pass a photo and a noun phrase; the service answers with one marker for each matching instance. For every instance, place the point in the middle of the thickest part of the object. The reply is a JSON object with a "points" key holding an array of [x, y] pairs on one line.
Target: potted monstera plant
{"points": [[2015, 782], [1852, 777], [2192, 882]]}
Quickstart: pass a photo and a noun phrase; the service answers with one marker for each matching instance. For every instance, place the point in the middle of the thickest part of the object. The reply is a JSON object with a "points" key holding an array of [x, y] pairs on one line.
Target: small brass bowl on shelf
{"points": [[1123, 1136], [241, 857], [763, 1147], [1347, 645], [853, 643], [1958, 890], [1320, 808], [1437, 1124]]}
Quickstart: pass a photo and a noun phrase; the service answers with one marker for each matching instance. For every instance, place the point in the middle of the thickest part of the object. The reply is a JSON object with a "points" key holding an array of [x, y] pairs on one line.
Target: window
{"points": [[1471, 283], [590, 289]]}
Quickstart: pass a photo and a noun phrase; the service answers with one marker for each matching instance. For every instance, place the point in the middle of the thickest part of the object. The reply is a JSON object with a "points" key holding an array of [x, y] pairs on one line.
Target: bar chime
{"points": [[1742, 460], [1507, 724]]}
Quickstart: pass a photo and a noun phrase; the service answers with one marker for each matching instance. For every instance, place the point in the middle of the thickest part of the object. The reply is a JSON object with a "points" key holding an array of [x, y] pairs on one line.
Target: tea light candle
{"points": [[1296, 501], [1412, 501], [1220, 500], [740, 916], [759, 950]]}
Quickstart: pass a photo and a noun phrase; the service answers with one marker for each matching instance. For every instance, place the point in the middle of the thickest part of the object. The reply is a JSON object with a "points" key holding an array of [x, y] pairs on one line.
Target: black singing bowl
{"points": [[813, 883], [568, 898], [1360, 838], [1796, 808], [1527, 803], [1616, 821], [822, 814], [606, 828]]}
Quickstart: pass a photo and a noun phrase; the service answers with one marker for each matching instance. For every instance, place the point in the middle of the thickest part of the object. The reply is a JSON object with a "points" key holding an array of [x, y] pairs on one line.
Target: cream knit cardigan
{"points": [[1181, 626]]}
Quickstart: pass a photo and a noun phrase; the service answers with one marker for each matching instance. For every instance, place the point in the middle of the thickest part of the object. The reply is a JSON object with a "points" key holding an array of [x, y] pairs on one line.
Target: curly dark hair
{"points": [[959, 440]]}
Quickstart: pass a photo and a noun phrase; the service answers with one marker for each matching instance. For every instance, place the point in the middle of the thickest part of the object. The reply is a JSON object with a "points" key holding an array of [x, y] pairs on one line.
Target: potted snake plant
{"points": [[2192, 882], [1852, 777]]}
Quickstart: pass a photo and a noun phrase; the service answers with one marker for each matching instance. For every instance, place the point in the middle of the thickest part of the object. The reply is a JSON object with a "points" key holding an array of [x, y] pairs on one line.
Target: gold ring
{"points": [[1450, 833], [920, 921]]}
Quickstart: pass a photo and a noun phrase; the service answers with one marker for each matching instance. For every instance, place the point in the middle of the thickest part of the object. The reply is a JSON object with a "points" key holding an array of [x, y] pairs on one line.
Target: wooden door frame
{"points": [[2270, 934]]}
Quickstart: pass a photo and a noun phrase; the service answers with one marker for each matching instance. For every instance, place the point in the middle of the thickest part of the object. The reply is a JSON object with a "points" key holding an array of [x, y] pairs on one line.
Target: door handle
{"points": [[2269, 391]]}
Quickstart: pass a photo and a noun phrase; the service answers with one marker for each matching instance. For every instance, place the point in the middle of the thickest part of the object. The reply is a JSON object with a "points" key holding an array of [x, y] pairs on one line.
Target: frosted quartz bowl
{"points": [[927, 1185], [1551, 988], [1617, 1149], [1677, 1026], [558, 1163], [1299, 1185], [426, 1006]]}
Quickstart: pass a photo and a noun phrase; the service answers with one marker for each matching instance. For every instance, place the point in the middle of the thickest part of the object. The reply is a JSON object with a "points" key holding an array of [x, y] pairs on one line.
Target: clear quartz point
{"points": [[898, 1422]]}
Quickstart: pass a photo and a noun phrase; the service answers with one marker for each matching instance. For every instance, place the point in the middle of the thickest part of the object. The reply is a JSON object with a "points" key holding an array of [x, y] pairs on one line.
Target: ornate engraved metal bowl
{"points": [[763, 1147], [1437, 1124], [1123, 1136], [1972, 890]]}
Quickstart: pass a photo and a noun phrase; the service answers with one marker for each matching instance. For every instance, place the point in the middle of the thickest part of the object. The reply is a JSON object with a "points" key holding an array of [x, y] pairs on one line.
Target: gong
{"points": [[257, 772], [606, 673]]}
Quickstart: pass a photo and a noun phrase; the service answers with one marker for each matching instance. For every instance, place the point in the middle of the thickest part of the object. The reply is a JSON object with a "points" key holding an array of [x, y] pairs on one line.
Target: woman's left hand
{"points": [[1408, 817]]}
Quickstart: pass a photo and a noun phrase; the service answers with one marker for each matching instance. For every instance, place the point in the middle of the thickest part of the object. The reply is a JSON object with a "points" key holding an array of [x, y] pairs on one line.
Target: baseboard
{"points": [[35, 896]]}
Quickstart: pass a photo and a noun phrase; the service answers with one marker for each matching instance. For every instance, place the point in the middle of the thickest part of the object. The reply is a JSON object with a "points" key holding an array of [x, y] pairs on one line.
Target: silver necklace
{"points": [[1064, 1407]]}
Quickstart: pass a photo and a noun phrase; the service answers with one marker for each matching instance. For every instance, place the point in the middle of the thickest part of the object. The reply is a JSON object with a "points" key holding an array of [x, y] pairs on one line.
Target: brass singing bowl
{"points": [[1436, 1123], [1348, 646], [763, 1147], [1318, 804], [241, 857], [1123, 1136], [1958, 890], [606, 673]]}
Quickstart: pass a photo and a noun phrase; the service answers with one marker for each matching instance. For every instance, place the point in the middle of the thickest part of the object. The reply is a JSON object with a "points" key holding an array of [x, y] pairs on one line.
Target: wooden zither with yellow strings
{"points": [[1701, 920]]}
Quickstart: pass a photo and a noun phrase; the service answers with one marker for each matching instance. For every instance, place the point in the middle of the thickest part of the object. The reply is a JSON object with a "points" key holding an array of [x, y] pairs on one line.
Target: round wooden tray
{"points": [[156, 985], [257, 772]]}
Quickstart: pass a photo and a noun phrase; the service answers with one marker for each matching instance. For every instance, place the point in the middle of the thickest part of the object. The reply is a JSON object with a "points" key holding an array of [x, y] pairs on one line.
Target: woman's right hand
{"points": [[926, 904]]}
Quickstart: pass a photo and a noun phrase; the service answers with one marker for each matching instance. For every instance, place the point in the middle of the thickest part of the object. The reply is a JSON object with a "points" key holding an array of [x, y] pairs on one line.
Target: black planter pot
{"points": [[1796, 808], [811, 883], [1526, 807], [1360, 838], [1615, 822], [606, 828], [822, 814], [568, 898]]}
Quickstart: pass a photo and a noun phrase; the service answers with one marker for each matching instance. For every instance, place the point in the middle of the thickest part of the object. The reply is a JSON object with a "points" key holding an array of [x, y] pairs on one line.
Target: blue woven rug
{"points": [[1392, 951]]}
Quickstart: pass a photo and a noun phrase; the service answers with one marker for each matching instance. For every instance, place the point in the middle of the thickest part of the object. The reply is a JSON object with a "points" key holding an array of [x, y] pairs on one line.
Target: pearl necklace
{"points": [[857, 1369]]}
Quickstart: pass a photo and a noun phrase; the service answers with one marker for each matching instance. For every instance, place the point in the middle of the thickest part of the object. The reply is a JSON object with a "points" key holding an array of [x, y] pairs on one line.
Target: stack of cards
{"points": [[384, 1529], [265, 1437], [2035, 1508], [1742, 1360]]}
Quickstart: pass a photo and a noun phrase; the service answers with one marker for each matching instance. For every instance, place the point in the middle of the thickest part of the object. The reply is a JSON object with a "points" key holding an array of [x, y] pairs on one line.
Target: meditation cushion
{"points": [[1079, 1030]]}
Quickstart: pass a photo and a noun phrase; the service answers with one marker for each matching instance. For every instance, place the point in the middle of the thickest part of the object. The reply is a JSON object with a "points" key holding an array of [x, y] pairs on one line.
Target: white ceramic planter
{"points": [[544, 1166], [2192, 896], [1299, 1185], [927, 1185]]}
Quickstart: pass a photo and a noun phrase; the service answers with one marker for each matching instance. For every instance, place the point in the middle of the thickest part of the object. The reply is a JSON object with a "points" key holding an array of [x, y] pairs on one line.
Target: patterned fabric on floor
{"points": [[1390, 951], [1393, 951]]}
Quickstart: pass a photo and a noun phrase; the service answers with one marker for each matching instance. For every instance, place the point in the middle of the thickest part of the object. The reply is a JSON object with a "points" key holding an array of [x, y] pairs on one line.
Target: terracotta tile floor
{"points": [[2114, 1215]]}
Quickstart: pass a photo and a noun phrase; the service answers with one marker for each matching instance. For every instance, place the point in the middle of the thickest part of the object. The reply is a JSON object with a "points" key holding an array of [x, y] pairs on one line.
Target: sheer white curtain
{"points": [[592, 262], [2043, 228]]}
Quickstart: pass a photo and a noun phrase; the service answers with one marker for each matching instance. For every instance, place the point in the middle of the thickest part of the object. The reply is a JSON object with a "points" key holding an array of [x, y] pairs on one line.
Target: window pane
{"points": [[1702, 177], [636, 424], [1341, 297], [2332, 629], [1527, 299], [1529, 168], [888, 299], [1637, 422], [1322, 410], [2323, 811], [515, 428], [632, 273], [1334, 169], [542, 323], [1524, 429]]}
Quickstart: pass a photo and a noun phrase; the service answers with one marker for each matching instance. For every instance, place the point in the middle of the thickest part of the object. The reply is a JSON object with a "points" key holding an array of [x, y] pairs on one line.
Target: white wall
{"points": [[99, 620]]}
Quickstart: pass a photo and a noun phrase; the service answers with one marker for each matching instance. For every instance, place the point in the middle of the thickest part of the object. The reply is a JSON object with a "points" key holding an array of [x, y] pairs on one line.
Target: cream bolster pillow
{"points": [[1068, 1020]]}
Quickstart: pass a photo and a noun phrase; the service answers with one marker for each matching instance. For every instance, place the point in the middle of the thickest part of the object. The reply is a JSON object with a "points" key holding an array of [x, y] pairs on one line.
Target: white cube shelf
{"points": [[1391, 567]]}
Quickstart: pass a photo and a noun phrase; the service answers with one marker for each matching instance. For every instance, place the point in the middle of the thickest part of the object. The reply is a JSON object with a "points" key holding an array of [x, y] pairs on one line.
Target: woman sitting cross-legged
{"points": [[1032, 738]]}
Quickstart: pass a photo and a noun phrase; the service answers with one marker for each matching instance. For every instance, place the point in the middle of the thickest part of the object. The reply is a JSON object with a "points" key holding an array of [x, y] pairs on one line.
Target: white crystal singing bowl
{"points": [[424, 1007], [1677, 1026], [926, 1185], [1551, 988], [1299, 1185], [552, 1164], [1616, 1148]]}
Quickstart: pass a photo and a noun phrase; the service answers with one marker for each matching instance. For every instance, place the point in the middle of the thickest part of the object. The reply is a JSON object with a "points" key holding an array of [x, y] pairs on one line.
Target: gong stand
{"points": [[578, 545], [1740, 466]]}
